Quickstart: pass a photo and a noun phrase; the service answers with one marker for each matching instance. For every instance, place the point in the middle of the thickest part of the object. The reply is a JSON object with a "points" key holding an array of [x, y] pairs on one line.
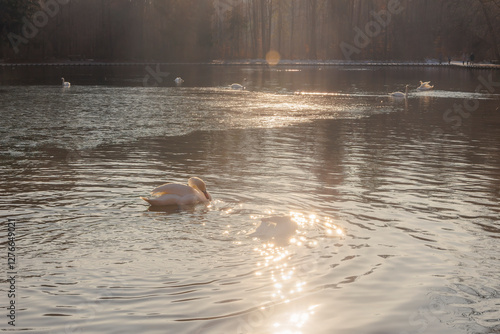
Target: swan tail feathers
{"points": [[146, 199], [154, 201]]}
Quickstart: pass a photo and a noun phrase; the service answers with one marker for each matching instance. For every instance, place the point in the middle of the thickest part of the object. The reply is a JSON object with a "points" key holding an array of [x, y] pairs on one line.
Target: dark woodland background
{"points": [[202, 30]]}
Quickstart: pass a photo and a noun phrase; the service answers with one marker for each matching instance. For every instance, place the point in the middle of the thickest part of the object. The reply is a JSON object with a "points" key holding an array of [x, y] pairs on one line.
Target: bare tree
{"points": [[492, 31]]}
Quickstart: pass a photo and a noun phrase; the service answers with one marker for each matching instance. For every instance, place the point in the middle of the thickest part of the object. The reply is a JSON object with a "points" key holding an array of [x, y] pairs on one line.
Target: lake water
{"points": [[396, 201]]}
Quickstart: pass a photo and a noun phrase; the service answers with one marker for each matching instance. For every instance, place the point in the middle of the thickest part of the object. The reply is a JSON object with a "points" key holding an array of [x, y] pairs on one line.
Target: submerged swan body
{"points": [[278, 228], [180, 194], [425, 86], [400, 94]]}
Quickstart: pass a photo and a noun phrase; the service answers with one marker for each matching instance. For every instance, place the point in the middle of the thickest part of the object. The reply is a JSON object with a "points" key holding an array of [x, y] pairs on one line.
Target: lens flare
{"points": [[273, 57]]}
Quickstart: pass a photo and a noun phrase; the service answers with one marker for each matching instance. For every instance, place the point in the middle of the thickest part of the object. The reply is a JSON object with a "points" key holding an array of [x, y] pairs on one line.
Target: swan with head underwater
{"points": [[400, 94], [237, 86], [180, 194]]}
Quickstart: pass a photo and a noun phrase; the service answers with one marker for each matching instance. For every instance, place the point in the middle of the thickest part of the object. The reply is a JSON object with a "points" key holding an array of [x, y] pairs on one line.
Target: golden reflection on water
{"points": [[289, 282]]}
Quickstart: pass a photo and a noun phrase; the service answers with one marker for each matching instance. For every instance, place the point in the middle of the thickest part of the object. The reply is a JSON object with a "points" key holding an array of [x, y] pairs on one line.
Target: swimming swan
{"points": [[425, 86], [65, 83], [237, 86], [400, 94], [178, 80], [180, 194]]}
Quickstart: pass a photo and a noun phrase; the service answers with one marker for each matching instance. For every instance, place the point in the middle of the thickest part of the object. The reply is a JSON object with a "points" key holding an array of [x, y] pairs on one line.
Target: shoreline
{"points": [[262, 62]]}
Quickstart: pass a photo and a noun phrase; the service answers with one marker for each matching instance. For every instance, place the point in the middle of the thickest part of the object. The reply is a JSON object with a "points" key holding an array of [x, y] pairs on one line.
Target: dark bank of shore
{"points": [[263, 62]]}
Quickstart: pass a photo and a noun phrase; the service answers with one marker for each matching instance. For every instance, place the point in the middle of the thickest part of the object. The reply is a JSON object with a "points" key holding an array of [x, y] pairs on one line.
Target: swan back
{"points": [[180, 194], [425, 85], [237, 86], [400, 94]]}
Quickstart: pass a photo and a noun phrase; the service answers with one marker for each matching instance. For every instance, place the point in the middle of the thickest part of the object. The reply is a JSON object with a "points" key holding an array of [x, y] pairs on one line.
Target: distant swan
{"points": [[237, 86], [180, 194], [400, 94], [178, 80], [425, 86], [65, 83]]}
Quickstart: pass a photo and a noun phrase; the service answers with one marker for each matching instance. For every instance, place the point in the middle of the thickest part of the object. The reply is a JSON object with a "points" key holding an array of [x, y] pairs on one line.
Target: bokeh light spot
{"points": [[273, 57]]}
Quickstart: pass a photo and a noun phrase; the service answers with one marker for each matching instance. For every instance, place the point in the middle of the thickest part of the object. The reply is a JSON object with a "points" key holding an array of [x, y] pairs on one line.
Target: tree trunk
{"points": [[269, 26], [255, 29], [280, 26], [263, 35], [292, 28], [312, 28], [492, 31]]}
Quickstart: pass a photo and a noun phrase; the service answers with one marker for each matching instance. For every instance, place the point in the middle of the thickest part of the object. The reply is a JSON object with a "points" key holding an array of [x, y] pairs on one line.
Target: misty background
{"points": [[203, 30]]}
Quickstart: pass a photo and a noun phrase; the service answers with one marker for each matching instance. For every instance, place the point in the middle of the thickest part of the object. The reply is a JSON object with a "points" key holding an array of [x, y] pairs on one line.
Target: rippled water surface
{"points": [[396, 202]]}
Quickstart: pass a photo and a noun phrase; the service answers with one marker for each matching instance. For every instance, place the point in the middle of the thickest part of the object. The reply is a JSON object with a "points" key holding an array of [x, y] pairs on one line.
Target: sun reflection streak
{"points": [[289, 281], [294, 322]]}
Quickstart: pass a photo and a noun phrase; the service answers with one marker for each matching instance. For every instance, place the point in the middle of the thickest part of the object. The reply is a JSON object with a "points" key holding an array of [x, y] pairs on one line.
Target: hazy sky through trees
{"points": [[201, 30]]}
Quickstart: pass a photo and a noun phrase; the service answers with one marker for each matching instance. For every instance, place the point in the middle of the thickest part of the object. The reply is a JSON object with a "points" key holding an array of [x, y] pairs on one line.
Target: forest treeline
{"points": [[201, 30]]}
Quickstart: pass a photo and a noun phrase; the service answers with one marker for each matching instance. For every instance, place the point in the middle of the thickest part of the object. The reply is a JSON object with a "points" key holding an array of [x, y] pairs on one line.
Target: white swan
{"points": [[400, 94], [278, 228], [65, 83], [180, 194], [178, 80], [237, 86], [425, 85]]}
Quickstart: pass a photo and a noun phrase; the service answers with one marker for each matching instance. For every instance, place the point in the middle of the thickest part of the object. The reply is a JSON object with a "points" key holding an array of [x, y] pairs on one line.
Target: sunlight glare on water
{"points": [[289, 279], [337, 209]]}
